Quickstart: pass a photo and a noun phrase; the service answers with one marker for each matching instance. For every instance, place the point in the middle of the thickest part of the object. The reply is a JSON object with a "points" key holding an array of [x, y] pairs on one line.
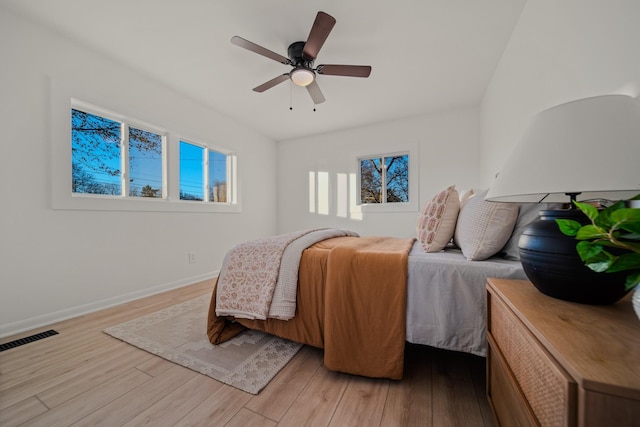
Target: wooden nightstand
{"points": [[556, 363]]}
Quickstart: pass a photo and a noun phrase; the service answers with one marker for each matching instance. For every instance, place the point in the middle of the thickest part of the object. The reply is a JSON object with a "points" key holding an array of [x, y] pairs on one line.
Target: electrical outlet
{"points": [[192, 257]]}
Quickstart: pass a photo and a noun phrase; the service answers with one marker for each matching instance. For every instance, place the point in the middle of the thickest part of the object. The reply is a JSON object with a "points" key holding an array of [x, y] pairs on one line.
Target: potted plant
{"points": [[611, 242]]}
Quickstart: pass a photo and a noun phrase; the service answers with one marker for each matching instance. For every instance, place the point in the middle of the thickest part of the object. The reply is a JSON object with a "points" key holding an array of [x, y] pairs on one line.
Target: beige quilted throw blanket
{"points": [[249, 274], [283, 303]]}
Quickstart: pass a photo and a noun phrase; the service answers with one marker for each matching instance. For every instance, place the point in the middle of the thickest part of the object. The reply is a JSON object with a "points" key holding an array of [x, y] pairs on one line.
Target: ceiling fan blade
{"points": [[322, 26], [315, 93], [344, 70], [246, 44], [271, 83]]}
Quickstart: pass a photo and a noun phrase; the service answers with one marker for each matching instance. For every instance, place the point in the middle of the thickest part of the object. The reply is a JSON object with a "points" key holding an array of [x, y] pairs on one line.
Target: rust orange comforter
{"points": [[351, 301]]}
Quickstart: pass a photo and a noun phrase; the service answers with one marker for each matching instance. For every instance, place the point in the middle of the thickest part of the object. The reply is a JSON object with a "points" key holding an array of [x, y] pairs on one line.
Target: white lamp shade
{"points": [[589, 146], [302, 76]]}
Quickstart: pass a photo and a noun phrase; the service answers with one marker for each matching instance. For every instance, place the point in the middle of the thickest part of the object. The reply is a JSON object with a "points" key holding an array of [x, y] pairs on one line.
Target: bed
{"points": [[362, 298]]}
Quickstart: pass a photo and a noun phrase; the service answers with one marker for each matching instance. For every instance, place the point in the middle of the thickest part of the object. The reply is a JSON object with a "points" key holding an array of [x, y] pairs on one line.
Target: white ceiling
{"points": [[427, 55]]}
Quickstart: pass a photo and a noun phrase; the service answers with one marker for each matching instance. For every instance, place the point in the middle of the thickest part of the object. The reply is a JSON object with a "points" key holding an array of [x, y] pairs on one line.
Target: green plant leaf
{"points": [[616, 226], [590, 252], [604, 216], [629, 236], [594, 257], [626, 215], [628, 219], [599, 267], [633, 228], [628, 261], [590, 232], [632, 246], [633, 280], [568, 227], [589, 210]]}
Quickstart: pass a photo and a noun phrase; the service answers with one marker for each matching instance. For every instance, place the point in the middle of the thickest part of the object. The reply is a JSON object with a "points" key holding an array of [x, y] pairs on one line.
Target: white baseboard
{"points": [[58, 316]]}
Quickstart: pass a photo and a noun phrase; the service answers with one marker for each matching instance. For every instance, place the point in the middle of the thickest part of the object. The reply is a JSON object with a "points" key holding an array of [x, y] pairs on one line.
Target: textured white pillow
{"points": [[465, 195], [437, 220], [484, 227]]}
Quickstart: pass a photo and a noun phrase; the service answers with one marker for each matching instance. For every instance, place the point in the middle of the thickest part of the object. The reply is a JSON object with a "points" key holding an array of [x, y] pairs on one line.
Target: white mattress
{"points": [[446, 305]]}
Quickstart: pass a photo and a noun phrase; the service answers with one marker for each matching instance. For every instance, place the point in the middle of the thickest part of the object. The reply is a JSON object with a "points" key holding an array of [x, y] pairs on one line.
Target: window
{"points": [[145, 163], [107, 160], [203, 173], [217, 177], [191, 172], [384, 179], [113, 157]]}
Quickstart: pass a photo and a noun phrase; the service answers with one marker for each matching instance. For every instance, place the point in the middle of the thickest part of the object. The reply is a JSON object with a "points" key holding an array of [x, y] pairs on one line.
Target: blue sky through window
{"points": [[145, 163], [95, 151], [191, 171], [97, 162]]}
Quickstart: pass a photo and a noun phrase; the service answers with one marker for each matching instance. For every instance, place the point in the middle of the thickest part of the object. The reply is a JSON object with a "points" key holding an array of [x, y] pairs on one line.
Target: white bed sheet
{"points": [[446, 305]]}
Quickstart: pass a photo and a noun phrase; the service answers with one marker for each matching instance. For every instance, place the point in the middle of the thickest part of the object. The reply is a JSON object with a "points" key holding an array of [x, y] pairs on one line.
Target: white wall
{"points": [[59, 263], [448, 153], [560, 50]]}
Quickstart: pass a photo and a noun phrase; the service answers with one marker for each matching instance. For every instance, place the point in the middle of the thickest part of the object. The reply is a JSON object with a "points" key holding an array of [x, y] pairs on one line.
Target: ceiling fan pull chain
{"points": [[290, 96]]}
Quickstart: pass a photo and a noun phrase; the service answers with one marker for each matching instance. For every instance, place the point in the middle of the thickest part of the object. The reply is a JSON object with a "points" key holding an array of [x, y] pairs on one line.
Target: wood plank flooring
{"points": [[83, 377]]}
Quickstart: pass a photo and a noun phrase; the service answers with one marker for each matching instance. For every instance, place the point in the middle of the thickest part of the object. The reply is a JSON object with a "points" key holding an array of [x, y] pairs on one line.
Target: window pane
{"points": [[95, 154], [217, 177], [145, 163], [397, 178], [191, 172], [371, 181]]}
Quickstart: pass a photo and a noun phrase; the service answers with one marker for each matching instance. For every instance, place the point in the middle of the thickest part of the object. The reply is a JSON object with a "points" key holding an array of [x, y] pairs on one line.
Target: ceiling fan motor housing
{"points": [[296, 56]]}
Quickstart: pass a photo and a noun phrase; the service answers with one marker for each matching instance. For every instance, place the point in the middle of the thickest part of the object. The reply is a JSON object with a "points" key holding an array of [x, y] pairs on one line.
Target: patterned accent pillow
{"points": [[437, 220], [484, 227]]}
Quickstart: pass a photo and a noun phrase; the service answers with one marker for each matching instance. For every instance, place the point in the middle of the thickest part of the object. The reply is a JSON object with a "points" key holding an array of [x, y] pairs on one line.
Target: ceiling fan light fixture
{"points": [[302, 76]]}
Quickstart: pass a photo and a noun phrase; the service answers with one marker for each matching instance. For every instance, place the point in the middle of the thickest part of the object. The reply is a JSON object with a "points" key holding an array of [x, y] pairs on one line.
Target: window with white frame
{"points": [[118, 163], [384, 179], [114, 157], [110, 159], [203, 173]]}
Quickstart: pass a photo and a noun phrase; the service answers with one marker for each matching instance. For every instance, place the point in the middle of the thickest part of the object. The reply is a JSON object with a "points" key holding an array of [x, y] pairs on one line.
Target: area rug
{"points": [[178, 333]]}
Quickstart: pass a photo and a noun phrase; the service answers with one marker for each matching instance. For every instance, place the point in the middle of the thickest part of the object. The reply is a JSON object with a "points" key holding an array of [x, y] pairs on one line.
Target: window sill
{"points": [[385, 207], [79, 202]]}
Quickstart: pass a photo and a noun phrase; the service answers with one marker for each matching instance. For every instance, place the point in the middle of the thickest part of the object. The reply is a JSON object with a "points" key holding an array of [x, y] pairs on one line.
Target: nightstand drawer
{"points": [[510, 407], [548, 389]]}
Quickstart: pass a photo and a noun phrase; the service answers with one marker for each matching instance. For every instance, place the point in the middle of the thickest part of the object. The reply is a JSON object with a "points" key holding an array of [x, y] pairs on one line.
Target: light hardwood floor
{"points": [[83, 377]]}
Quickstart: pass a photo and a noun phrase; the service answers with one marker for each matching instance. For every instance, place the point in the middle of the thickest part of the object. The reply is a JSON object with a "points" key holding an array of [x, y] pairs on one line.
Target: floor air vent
{"points": [[27, 340]]}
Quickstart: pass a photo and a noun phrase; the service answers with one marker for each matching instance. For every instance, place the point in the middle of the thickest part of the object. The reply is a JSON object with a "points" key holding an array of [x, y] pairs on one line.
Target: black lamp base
{"points": [[552, 264]]}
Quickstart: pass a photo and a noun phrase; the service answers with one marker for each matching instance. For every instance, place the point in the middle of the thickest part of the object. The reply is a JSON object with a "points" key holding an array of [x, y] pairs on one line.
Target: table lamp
{"points": [[586, 150]]}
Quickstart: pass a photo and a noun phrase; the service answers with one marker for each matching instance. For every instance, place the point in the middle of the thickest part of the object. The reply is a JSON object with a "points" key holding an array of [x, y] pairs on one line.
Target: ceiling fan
{"points": [[301, 58]]}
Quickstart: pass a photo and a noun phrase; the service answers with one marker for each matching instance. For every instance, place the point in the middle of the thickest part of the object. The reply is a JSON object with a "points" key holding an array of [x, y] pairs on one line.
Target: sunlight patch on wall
{"points": [[323, 193], [354, 208], [346, 197], [342, 195], [312, 192]]}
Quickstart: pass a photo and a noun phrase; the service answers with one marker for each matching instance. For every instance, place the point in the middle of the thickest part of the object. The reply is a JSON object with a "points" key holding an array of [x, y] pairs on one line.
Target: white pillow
{"points": [[465, 195], [437, 220], [484, 227]]}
